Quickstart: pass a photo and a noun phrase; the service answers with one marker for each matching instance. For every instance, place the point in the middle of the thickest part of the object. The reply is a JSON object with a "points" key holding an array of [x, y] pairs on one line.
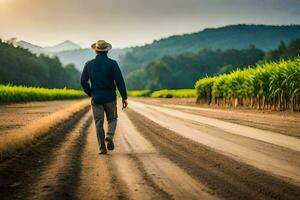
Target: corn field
{"points": [[274, 86]]}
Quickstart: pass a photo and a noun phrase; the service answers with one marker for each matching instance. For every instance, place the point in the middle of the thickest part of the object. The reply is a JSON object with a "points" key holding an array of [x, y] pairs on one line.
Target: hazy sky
{"points": [[132, 22]]}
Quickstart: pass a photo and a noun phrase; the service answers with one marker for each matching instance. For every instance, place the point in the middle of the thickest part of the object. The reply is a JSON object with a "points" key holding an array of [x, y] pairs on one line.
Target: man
{"points": [[99, 79]]}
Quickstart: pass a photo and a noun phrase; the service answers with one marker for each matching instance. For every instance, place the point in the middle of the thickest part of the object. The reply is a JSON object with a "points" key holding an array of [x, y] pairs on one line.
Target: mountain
{"points": [[80, 56], [69, 52], [64, 46], [264, 37], [31, 47]]}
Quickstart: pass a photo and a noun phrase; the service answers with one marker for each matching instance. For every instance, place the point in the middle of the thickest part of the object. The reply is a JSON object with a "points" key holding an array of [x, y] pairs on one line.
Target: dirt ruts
{"points": [[144, 173], [224, 176], [150, 161], [19, 172]]}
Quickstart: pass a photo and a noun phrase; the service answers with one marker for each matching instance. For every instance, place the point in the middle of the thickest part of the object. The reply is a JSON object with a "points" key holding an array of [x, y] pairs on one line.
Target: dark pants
{"points": [[110, 110]]}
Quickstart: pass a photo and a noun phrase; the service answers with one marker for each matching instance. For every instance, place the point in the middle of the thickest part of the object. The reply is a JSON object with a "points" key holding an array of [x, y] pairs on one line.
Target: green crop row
{"points": [[9, 93], [274, 85], [180, 93], [139, 93]]}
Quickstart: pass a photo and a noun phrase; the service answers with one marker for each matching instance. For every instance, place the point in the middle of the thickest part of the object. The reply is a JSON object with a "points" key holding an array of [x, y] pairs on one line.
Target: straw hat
{"points": [[101, 45]]}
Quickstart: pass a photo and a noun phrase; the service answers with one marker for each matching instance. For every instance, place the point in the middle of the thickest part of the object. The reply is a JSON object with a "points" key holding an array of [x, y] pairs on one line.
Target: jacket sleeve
{"points": [[119, 80], [85, 81]]}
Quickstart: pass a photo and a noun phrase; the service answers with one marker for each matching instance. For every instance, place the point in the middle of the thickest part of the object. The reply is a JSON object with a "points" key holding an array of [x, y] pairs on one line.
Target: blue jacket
{"points": [[100, 77]]}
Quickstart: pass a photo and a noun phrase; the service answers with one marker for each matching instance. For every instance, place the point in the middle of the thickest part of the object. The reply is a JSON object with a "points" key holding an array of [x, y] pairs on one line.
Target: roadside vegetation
{"points": [[273, 85], [139, 93], [181, 93], [9, 93]]}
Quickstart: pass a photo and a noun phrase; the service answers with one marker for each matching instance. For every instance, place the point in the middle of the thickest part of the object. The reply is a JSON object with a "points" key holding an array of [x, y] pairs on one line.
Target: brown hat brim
{"points": [[107, 47]]}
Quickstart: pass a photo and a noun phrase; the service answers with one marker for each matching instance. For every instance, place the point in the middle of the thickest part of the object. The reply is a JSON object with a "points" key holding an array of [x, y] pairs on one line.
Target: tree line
{"points": [[182, 71], [20, 67], [284, 51], [264, 37]]}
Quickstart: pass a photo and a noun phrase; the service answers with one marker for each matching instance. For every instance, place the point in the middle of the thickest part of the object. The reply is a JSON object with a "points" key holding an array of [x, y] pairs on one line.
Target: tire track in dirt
{"points": [[19, 172], [226, 177], [97, 179], [145, 174], [286, 123], [253, 152], [60, 176], [129, 174], [245, 131]]}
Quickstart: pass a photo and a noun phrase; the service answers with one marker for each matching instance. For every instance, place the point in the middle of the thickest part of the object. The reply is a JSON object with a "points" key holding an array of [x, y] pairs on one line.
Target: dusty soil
{"points": [[224, 176], [161, 153], [21, 171], [14, 116], [282, 122]]}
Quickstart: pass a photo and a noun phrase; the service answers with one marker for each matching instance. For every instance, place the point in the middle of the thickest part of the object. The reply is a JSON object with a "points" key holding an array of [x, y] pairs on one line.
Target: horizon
{"points": [[154, 39], [133, 23]]}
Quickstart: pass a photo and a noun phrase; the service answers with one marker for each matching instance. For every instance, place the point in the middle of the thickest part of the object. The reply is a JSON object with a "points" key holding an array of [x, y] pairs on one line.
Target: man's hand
{"points": [[124, 104]]}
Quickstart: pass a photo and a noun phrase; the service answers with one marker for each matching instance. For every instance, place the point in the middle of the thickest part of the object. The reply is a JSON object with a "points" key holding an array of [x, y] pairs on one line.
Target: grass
{"points": [[138, 93], [180, 93], [10, 93]]}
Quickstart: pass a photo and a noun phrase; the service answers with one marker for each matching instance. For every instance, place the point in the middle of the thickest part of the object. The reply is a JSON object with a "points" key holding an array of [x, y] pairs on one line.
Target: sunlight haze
{"points": [[132, 22]]}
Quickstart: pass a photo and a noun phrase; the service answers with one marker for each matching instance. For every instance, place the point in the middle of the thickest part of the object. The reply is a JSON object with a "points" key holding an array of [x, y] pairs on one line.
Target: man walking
{"points": [[99, 79]]}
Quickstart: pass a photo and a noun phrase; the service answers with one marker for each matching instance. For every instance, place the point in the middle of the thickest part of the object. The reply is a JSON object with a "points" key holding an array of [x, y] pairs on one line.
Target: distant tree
{"points": [[226, 69], [20, 67], [12, 40], [176, 72], [73, 76], [153, 86], [276, 54], [293, 49], [284, 52]]}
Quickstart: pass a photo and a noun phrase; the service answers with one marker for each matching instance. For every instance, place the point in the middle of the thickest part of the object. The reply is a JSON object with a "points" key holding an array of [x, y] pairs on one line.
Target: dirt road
{"points": [[162, 152], [15, 116]]}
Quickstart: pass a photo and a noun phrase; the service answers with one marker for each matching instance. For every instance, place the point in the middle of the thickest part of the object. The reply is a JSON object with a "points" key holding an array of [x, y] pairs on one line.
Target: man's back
{"points": [[104, 74]]}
